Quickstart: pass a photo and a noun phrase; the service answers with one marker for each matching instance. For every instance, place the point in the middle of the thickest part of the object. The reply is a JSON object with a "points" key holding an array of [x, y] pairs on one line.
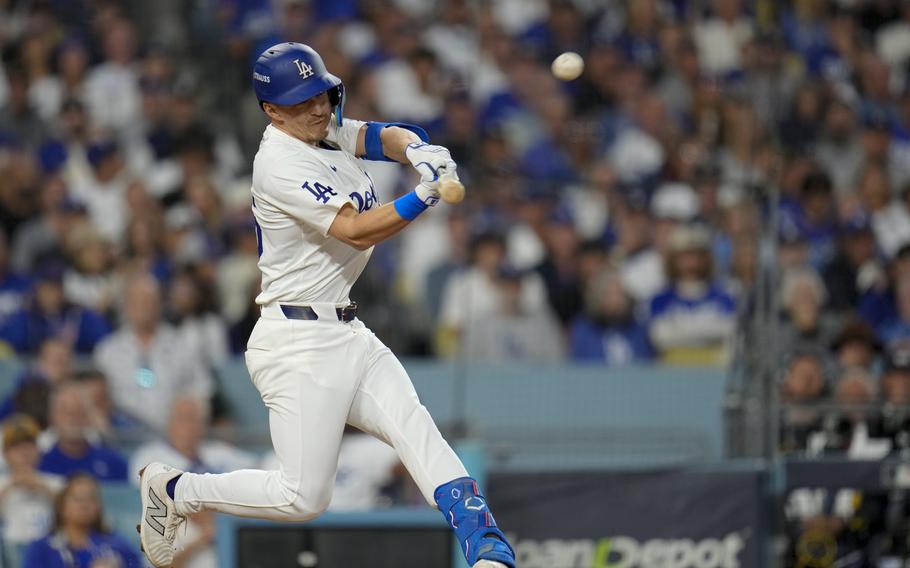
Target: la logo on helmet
{"points": [[305, 70]]}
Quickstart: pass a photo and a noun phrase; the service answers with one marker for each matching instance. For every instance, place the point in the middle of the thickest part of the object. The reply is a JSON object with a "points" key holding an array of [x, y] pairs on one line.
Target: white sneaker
{"points": [[489, 564], [159, 521]]}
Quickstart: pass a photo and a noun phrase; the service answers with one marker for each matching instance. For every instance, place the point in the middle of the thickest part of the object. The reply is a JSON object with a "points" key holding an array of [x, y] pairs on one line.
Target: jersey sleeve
{"points": [[345, 136], [307, 194]]}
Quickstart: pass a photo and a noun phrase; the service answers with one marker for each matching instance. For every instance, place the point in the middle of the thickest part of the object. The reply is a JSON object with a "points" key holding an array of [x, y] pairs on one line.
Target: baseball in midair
{"points": [[568, 66]]}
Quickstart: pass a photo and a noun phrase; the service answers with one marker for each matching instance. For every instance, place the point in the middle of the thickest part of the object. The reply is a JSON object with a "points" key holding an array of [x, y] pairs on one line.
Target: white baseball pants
{"points": [[315, 376]]}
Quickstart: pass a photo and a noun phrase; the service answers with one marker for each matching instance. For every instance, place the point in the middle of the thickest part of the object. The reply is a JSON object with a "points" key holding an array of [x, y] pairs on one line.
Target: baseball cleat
{"points": [[489, 564], [159, 521]]}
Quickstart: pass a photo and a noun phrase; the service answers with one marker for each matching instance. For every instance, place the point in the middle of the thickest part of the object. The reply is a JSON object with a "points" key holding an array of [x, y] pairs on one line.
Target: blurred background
{"points": [[669, 326]]}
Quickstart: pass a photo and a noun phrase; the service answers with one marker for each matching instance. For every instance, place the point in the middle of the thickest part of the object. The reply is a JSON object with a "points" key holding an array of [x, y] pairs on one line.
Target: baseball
{"points": [[568, 66]]}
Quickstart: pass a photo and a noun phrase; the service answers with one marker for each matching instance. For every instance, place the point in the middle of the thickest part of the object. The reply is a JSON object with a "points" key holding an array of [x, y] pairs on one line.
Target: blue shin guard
{"points": [[467, 513]]}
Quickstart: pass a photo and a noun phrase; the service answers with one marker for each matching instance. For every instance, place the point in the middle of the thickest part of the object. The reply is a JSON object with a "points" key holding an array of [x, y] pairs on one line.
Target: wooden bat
{"points": [[451, 190]]}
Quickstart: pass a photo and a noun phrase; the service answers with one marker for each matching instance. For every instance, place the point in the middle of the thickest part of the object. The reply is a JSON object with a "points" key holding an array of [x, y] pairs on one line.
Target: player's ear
{"points": [[272, 112]]}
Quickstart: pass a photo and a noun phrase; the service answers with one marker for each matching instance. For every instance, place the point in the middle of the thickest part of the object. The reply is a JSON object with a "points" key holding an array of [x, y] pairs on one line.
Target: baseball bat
{"points": [[451, 190]]}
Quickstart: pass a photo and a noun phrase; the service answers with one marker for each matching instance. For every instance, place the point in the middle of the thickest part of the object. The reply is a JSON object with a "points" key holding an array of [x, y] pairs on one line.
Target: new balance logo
{"points": [[157, 513], [305, 70], [474, 504]]}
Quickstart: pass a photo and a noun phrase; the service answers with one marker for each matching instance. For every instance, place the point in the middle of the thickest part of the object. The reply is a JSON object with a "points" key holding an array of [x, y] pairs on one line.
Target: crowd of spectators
{"points": [[612, 220]]}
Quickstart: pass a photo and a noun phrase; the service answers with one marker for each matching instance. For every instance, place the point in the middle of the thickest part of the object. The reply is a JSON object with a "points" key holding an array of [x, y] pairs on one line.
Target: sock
{"points": [[171, 486]]}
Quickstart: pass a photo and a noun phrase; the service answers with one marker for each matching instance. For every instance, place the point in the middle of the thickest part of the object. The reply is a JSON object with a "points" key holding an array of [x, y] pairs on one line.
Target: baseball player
{"points": [[316, 366]]}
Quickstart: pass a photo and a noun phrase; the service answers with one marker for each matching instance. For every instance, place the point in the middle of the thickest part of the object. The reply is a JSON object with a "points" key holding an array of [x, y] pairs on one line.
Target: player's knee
{"points": [[307, 507], [306, 504]]}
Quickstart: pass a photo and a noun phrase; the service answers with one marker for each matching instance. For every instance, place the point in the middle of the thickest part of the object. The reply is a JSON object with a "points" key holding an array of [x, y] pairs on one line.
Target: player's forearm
{"points": [[363, 230], [395, 141]]}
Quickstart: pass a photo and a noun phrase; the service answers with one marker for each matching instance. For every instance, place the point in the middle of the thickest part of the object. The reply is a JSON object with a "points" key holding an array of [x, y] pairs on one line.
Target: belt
{"points": [[345, 314]]}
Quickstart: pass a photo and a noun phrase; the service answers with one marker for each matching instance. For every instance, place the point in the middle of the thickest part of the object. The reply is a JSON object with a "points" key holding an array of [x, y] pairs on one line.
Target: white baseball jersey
{"points": [[316, 376], [298, 190]]}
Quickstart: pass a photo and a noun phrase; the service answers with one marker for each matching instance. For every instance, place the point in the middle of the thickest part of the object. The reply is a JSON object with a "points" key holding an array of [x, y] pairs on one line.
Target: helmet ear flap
{"points": [[334, 95], [336, 99]]}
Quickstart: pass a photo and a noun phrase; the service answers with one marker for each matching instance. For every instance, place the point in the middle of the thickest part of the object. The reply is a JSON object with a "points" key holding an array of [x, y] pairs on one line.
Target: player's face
{"points": [[308, 121]]}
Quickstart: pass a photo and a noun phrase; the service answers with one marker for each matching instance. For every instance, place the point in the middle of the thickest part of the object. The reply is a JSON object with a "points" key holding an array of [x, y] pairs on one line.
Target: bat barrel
{"points": [[451, 190]]}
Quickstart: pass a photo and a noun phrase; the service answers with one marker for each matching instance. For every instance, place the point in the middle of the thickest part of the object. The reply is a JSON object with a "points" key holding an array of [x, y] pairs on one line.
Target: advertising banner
{"points": [[664, 519]]}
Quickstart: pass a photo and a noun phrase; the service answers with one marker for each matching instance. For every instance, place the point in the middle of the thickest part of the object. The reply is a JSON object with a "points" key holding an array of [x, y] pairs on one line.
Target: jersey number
{"points": [[319, 191]]}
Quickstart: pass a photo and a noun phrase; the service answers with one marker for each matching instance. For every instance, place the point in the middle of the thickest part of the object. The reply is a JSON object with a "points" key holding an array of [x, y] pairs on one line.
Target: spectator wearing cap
{"points": [[559, 269], [75, 448], [48, 314], [856, 346], [525, 247], [51, 367], [878, 147], [839, 151], [511, 332], [104, 194], [26, 495], [14, 288], [806, 325], [692, 320], [146, 365], [608, 331], [640, 263], [474, 295], [895, 331], [854, 268], [890, 220], [79, 537], [816, 217]]}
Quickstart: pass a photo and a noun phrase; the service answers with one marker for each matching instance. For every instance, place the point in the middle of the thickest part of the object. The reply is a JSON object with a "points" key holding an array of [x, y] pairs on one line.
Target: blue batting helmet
{"points": [[290, 73]]}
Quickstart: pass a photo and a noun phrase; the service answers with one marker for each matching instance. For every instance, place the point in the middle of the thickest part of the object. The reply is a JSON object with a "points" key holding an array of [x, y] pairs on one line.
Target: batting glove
{"points": [[428, 192], [431, 161]]}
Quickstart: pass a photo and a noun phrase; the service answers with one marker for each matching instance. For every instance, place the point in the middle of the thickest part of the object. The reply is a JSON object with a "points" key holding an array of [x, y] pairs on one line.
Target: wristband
{"points": [[373, 143], [409, 206]]}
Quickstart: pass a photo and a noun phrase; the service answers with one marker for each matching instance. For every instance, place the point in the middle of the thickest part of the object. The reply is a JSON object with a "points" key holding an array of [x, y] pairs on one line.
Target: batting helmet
{"points": [[290, 73]]}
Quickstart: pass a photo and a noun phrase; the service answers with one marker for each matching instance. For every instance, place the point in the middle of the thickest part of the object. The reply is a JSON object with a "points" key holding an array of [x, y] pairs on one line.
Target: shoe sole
{"points": [[141, 507], [144, 489]]}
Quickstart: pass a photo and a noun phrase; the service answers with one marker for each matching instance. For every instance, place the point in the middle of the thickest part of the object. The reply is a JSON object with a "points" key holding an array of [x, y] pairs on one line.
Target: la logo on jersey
{"points": [[305, 70]]}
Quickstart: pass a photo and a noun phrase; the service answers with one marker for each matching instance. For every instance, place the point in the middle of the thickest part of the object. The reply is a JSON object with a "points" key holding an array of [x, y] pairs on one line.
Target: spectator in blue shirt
{"points": [[75, 450], [79, 538], [693, 319], [49, 315], [608, 332]]}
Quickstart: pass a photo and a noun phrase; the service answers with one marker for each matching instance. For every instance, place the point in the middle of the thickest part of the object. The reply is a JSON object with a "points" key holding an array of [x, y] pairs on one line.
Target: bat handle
{"points": [[451, 190]]}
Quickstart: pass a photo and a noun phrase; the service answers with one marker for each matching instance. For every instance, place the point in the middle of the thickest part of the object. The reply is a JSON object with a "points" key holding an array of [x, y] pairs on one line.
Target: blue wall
{"points": [[557, 416]]}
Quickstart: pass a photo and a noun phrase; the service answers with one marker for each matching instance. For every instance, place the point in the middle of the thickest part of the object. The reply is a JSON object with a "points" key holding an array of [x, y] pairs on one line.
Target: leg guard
{"points": [[467, 513]]}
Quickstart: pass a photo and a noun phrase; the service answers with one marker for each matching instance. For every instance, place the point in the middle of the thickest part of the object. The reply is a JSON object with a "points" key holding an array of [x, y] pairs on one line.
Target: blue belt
{"points": [[345, 314]]}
